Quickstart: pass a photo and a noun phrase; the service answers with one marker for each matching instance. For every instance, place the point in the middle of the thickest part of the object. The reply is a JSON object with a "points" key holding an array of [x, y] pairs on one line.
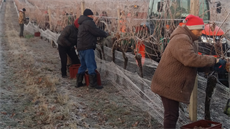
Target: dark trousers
{"points": [[87, 58], [63, 51], [21, 29], [171, 113]]}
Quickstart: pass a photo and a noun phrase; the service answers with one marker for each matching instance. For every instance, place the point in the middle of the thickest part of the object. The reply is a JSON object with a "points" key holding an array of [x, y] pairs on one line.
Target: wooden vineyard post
{"points": [[118, 20], [193, 103], [194, 5], [49, 12], [82, 7]]}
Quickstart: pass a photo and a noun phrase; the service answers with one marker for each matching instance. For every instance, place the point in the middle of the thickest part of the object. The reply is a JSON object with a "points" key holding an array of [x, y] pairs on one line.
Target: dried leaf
{"points": [[79, 95], [39, 122], [52, 108], [135, 124], [40, 113], [40, 79], [13, 114], [60, 117], [4, 113]]}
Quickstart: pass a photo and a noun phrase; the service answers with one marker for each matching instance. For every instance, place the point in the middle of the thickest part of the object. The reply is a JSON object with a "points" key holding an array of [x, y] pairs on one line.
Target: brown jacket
{"points": [[175, 75], [21, 19]]}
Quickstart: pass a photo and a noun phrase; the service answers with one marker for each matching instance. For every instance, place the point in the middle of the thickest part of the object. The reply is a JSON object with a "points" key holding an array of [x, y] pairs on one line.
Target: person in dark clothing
{"points": [[66, 42], [87, 39]]}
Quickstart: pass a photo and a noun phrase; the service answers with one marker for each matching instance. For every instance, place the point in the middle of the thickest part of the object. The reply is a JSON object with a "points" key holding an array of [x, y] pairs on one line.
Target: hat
{"points": [[194, 22], [87, 12], [76, 23]]}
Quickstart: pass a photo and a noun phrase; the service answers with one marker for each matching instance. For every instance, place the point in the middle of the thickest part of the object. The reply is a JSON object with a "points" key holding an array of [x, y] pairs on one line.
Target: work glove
{"points": [[220, 66]]}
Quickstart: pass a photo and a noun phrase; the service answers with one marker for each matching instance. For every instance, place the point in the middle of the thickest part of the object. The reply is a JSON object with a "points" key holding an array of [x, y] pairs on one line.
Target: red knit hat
{"points": [[76, 23], [194, 22]]}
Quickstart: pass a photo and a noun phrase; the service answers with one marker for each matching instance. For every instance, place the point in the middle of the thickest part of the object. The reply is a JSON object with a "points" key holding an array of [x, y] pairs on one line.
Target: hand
{"points": [[220, 65], [109, 34], [228, 66]]}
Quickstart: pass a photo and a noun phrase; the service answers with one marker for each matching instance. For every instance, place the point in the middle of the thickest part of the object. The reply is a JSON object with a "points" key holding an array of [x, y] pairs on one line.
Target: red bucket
{"points": [[73, 69], [206, 124], [37, 34]]}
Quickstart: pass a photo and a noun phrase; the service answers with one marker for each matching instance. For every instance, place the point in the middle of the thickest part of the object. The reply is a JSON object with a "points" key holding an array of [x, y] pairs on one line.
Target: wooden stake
{"points": [[118, 20], [194, 5], [82, 7], [193, 103], [49, 12]]}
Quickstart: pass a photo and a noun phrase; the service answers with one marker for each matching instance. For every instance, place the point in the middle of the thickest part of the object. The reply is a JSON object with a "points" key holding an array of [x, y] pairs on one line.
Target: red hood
{"points": [[76, 23]]}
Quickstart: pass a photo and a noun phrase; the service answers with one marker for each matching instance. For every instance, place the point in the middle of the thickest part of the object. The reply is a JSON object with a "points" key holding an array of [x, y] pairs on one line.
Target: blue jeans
{"points": [[87, 59]]}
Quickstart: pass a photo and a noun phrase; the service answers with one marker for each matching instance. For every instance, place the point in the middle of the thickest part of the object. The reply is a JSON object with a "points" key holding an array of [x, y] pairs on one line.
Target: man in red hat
{"points": [[175, 75], [66, 42]]}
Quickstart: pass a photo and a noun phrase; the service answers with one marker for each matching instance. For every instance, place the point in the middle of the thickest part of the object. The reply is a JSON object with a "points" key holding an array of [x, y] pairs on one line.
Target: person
{"points": [[123, 22], [66, 42], [21, 21], [47, 24], [175, 75], [87, 39], [70, 18], [102, 20]]}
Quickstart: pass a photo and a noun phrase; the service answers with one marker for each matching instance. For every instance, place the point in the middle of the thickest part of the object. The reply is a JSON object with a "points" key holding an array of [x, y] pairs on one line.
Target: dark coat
{"points": [[88, 33], [175, 75], [68, 37]]}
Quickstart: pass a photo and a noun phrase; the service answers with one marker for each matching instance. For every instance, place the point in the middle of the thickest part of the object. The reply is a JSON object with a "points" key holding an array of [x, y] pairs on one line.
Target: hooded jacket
{"points": [[68, 37], [88, 33], [175, 75]]}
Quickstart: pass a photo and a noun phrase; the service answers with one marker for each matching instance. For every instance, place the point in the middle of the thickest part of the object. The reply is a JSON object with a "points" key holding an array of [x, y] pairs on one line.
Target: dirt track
{"points": [[33, 94]]}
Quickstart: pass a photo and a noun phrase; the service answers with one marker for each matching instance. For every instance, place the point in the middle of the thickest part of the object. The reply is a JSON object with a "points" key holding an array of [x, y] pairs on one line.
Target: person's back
{"points": [[68, 36], [175, 75], [88, 33], [87, 39], [21, 19], [180, 55], [66, 42]]}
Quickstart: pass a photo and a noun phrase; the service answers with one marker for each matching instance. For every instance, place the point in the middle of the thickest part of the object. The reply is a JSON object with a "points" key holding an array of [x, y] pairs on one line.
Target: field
{"points": [[33, 94]]}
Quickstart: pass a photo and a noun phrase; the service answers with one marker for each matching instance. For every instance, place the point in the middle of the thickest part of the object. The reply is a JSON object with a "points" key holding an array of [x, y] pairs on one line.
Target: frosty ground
{"points": [[33, 94]]}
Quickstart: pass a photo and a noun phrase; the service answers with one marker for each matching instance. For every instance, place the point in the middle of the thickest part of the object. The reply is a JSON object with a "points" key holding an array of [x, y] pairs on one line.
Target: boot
{"points": [[79, 80], [64, 75], [93, 81]]}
